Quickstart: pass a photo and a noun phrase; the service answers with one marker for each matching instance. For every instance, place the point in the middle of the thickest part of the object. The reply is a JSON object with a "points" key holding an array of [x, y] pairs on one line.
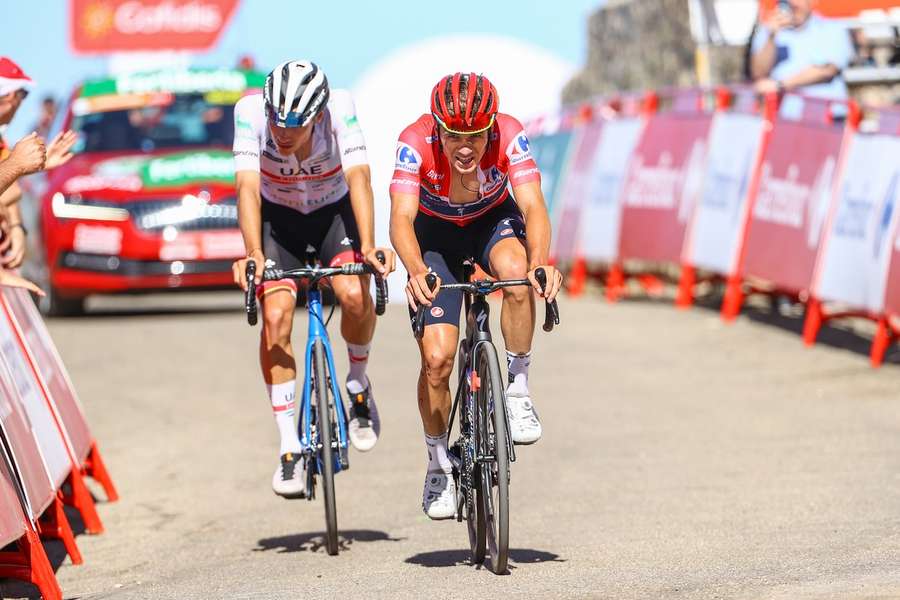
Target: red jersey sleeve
{"points": [[516, 150], [411, 148]]}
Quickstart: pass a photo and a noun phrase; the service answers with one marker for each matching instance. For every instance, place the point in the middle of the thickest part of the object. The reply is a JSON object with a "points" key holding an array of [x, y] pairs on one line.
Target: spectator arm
{"points": [[811, 76], [763, 60]]}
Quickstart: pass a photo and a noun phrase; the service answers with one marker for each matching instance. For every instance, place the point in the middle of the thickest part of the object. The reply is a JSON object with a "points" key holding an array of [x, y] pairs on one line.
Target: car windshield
{"points": [[175, 121]]}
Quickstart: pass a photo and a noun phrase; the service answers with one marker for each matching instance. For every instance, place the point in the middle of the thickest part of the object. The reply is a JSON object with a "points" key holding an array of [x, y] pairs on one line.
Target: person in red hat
{"points": [[14, 88]]}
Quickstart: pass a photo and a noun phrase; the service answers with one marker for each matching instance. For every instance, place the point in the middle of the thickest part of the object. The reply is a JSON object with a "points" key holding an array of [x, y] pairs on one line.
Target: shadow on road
{"points": [[314, 542], [453, 558]]}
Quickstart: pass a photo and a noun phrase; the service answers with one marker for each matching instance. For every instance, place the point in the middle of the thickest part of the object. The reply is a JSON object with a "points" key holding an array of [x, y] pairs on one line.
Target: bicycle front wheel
{"points": [[492, 444], [326, 455]]}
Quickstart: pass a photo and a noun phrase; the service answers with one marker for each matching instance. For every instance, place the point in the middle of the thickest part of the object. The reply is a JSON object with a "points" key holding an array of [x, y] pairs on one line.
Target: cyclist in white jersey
{"points": [[304, 188]]}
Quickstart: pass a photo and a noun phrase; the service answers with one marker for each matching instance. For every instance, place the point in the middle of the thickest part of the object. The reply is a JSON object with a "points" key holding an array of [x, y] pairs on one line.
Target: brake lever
{"points": [[250, 295], [551, 309], [419, 321], [381, 286]]}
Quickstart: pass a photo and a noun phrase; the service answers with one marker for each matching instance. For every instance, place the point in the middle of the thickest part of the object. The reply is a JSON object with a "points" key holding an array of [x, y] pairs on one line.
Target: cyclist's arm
{"points": [[362, 200], [249, 210], [530, 199], [404, 208]]}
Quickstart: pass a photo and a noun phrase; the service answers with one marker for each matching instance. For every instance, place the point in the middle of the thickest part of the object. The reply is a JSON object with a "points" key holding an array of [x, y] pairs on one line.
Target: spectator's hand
{"points": [[777, 20], [383, 268], [15, 253], [8, 278], [29, 154], [766, 86], [59, 151]]}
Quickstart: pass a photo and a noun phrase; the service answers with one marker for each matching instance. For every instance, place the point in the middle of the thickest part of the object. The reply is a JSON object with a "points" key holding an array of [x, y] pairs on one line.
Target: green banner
{"points": [[552, 153], [177, 82], [188, 167]]}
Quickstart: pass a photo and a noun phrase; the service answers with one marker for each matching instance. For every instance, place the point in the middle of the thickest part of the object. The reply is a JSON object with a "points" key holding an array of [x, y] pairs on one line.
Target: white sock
{"points": [[438, 454], [517, 366], [282, 397], [359, 360]]}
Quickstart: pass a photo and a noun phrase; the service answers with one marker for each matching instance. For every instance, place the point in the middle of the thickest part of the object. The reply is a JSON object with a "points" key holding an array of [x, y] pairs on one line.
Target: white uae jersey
{"points": [[318, 181]]}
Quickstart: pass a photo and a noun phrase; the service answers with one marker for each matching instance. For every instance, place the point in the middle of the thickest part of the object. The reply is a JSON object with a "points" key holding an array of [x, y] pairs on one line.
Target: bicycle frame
{"points": [[317, 331]]}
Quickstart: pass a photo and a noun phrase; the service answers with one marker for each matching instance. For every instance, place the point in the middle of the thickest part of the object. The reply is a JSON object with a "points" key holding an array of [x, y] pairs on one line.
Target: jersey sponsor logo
{"points": [[507, 231], [347, 241], [351, 122], [526, 172], [299, 174], [520, 149], [407, 182], [243, 124], [437, 312], [354, 149], [407, 158]]}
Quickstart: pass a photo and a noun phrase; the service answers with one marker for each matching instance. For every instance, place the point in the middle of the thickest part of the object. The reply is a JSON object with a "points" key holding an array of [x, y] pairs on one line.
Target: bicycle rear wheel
{"points": [[326, 455], [492, 440]]}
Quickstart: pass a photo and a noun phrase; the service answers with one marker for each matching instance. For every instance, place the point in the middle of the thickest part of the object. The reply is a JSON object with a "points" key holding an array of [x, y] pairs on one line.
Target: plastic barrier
{"points": [[793, 200], [27, 561], [552, 154], [737, 141], [27, 343]]}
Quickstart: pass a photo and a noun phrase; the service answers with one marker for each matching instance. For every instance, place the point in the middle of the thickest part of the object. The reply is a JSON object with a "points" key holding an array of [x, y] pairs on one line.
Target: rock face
{"points": [[636, 45]]}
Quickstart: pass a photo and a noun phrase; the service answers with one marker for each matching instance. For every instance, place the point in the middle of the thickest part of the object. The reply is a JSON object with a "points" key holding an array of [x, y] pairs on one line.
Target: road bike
{"points": [[322, 426], [482, 452]]}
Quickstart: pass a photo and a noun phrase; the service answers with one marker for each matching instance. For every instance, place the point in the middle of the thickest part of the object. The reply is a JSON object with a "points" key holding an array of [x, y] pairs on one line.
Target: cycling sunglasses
{"points": [[447, 129]]}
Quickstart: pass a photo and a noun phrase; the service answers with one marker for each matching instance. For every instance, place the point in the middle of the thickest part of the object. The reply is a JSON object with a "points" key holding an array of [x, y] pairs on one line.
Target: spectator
{"points": [[47, 116], [28, 156], [14, 88], [795, 49]]}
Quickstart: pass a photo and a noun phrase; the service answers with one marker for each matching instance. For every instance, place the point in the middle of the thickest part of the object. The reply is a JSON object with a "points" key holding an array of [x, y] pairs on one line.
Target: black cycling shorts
{"points": [[446, 246], [330, 233]]}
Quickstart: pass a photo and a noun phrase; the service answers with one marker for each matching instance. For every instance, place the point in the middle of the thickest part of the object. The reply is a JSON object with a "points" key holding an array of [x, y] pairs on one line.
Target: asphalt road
{"points": [[682, 458]]}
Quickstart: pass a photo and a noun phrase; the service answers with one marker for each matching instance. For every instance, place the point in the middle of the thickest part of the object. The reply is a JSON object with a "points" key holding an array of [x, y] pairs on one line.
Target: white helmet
{"points": [[295, 92]]}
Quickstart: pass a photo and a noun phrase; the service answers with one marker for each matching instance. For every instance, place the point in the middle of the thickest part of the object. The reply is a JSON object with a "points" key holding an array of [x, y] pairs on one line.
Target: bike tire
{"points": [[326, 455], [473, 503], [492, 435]]}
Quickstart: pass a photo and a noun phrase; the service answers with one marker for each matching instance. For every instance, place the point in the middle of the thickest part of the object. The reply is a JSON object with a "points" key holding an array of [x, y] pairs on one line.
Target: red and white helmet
{"points": [[464, 103]]}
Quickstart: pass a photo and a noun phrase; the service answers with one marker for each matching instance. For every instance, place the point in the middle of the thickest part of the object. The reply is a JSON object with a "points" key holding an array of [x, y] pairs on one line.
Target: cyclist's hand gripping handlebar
{"points": [[250, 294], [381, 287], [551, 316], [419, 321]]}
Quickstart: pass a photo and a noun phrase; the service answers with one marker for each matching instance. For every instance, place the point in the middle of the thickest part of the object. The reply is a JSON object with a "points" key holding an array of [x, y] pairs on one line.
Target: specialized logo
{"points": [[346, 241], [407, 158]]}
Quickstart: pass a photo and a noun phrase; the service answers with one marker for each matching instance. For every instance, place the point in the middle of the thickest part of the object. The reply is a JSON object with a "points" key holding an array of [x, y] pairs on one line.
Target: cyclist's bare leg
{"points": [[510, 261], [276, 355], [357, 308], [438, 348]]}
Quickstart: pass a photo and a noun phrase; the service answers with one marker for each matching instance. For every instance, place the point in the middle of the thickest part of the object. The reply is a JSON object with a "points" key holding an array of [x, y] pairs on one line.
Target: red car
{"points": [[148, 202]]}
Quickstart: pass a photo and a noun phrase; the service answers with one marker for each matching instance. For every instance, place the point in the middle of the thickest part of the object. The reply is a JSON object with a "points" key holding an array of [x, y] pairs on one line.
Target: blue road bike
{"points": [[322, 427]]}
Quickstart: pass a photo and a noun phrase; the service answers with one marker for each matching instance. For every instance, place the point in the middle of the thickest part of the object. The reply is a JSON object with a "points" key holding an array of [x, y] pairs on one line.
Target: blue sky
{"points": [[343, 37]]}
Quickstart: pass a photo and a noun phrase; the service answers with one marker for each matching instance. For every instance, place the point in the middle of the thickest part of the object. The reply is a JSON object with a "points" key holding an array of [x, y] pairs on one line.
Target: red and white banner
{"points": [[103, 26], [840, 8], [854, 259], [720, 218], [42, 353], [12, 521], [602, 217], [790, 209], [43, 423], [662, 186], [16, 431], [568, 231]]}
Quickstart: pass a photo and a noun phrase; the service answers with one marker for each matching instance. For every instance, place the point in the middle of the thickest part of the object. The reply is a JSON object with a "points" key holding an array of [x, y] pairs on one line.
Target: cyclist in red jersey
{"points": [[450, 201]]}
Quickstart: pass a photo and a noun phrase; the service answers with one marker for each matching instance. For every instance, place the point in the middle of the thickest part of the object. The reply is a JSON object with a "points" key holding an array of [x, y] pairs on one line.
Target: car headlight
{"points": [[76, 207]]}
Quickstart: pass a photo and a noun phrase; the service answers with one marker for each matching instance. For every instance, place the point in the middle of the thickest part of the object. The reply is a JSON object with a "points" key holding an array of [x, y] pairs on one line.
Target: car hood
{"points": [[132, 173]]}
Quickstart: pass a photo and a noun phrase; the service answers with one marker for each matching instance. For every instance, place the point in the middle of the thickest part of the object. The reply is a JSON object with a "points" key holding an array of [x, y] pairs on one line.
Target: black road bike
{"points": [[482, 452]]}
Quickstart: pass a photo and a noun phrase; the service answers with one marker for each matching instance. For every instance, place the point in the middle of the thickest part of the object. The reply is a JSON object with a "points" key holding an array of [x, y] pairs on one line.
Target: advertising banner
{"points": [[856, 249], [662, 186], [792, 204], [568, 232], [42, 351], [551, 153], [720, 217], [102, 26], [43, 426], [603, 211]]}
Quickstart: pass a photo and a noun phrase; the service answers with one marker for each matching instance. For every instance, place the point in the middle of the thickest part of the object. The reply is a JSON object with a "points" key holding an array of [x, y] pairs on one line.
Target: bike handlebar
{"points": [[313, 273], [483, 288]]}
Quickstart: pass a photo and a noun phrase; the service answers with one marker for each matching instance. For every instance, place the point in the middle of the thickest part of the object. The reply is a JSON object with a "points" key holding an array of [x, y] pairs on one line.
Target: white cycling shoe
{"points": [[364, 426], [439, 496], [525, 427], [289, 480]]}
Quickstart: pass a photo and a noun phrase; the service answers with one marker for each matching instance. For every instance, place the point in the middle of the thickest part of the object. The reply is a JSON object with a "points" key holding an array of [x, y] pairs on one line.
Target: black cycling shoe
{"points": [[364, 426]]}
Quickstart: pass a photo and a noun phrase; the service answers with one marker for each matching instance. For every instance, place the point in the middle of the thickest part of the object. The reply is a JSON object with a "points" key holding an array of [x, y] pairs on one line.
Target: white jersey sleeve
{"points": [[346, 127], [249, 131]]}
